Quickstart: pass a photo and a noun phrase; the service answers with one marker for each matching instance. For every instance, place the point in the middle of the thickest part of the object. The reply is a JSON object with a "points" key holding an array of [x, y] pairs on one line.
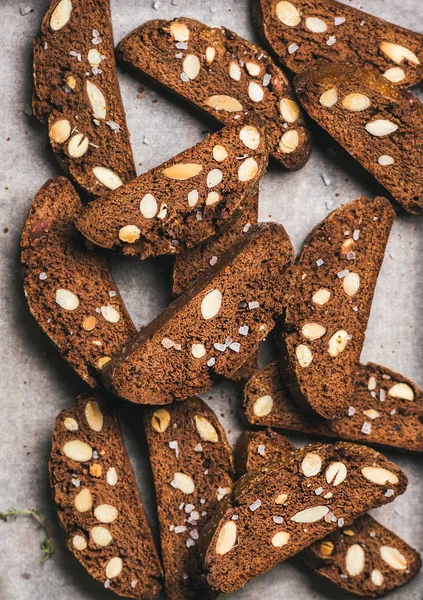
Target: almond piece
{"points": [[289, 141], [313, 331], [191, 66], [385, 160], [288, 14], [371, 413], [198, 350], [351, 284], [290, 111], [179, 31], [281, 499], [402, 391], [210, 304], [394, 74], [248, 169], [222, 102], [61, 15], [255, 91], [326, 548], [103, 361], [253, 69], [60, 131], [205, 429], [250, 137], [101, 536], [210, 54], [379, 475], [311, 464], [212, 198], [355, 560], [234, 71], [310, 515], [304, 355], [280, 539], [111, 476], [263, 406], [114, 567], [107, 177], [78, 145], [129, 233], [78, 451], [183, 482], [94, 415], [376, 577], [67, 300], [329, 98], [192, 198], [226, 539], [338, 342], [356, 102], [70, 424], [89, 323], [97, 100], [148, 206], [79, 542], [336, 473], [83, 501], [219, 153], [105, 513], [94, 57], [182, 171], [214, 177], [381, 127], [315, 25], [110, 313], [321, 296], [96, 470], [398, 53], [393, 558]]}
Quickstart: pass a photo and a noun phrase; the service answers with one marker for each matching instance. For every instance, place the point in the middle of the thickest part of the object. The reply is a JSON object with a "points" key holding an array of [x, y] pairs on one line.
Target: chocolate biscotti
{"points": [[183, 201], [77, 90], [378, 124], [212, 327], [329, 304], [301, 32], [69, 288], [365, 558], [274, 511], [192, 467], [194, 262], [224, 75], [98, 503], [385, 409]]}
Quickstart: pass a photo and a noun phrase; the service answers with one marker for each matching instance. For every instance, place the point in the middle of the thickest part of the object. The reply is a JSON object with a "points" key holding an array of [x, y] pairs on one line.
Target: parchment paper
{"points": [[36, 384]]}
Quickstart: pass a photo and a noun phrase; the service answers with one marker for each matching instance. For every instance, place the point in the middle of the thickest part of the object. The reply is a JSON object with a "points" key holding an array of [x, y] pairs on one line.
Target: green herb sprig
{"points": [[47, 545]]}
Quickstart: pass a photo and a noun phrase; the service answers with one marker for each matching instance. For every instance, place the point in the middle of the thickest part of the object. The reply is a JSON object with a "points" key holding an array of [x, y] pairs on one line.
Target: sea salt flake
{"points": [[330, 517], [202, 501], [261, 449], [235, 346], [339, 21], [319, 262], [341, 522], [76, 482], [243, 330], [267, 79], [43, 276], [167, 343], [351, 411], [220, 347], [204, 513], [180, 529], [331, 40], [173, 445], [372, 534], [343, 576], [382, 395], [115, 127], [255, 505], [199, 215], [189, 508], [246, 227], [367, 428], [96, 41], [351, 255], [389, 493], [106, 584], [326, 179], [194, 534], [373, 394], [95, 454], [213, 261], [25, 10], [45, 46], [234, 518], [190, 542], [171, 527], [342, 274], [184, 77], [253, 305], [181, 45], [134, 583], [211, 361], [198, 448], [318, 491], [393, 411], [277, 519], [292, 48], [355, 308]]}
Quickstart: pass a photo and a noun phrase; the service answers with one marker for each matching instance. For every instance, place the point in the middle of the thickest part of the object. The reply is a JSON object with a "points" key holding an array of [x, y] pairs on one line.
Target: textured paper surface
{"points": [[36, 384]]}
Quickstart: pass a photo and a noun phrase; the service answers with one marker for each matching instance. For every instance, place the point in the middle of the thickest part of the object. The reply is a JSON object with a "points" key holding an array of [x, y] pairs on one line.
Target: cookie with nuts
{"points": [[76, 90], [380, 125], [191, 264], [69, 288], [192, 467], [98, 503], [365, 558], [385, 409], [212, 328], [301, 32], [184, 201], [329, 304], [274, 512], [225, 76]]}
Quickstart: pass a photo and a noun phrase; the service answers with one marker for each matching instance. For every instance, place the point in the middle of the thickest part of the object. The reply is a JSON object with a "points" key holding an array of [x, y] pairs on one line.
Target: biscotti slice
{"points": [[301, 32], [385, 409], [192, 467], [69, 288], [274, 511], [183, 201], [378, 124], [194, 262], [365, 558], [212, 327], [77, 90], [329, 304], [98, 503], [224, 75]]}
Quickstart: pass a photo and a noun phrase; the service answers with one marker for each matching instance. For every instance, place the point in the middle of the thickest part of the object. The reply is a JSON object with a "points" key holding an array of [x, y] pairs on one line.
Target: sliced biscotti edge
{"points": [[184, 201], [98, 502], [378, 124], [386, 408], [365, 558], [223, 75], [277, 490], [212, 327], [69, 288], [192, 466], [329, 304], [302, 32], [77, 90]]}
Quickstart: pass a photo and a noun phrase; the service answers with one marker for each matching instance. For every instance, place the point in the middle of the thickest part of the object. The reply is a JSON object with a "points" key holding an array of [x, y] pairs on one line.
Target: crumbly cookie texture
{"points": [[329, 304], [365, 558], [98, 503], [301, 32], [76, 90], [192, 467], [69, 288], [224, 75], [183, 201], [194, 262], [275, 508], [378, 124], [386, 408], [212, 327]]}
